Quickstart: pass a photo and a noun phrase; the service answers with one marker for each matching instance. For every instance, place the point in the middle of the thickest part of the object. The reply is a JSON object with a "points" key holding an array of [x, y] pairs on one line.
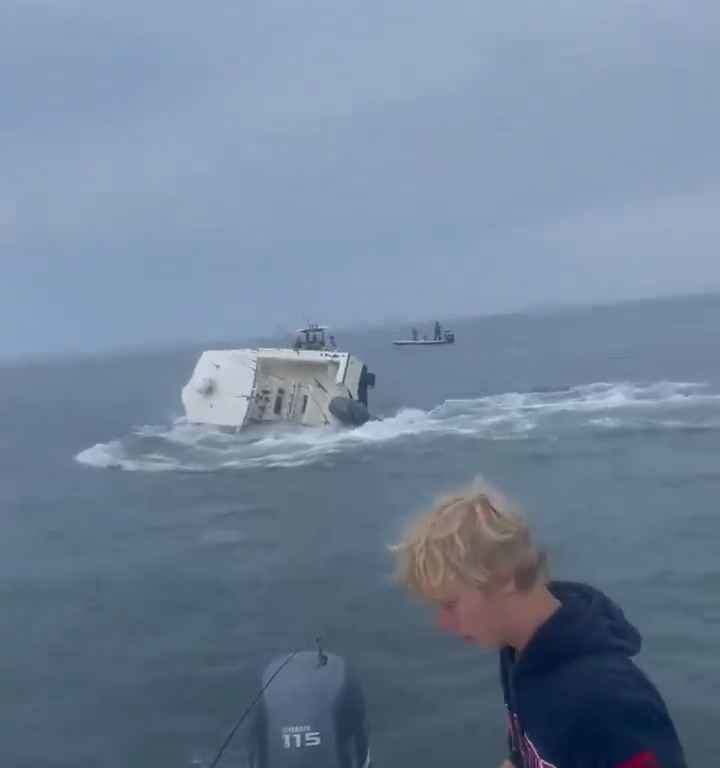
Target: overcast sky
{"points": [[176, 171]]}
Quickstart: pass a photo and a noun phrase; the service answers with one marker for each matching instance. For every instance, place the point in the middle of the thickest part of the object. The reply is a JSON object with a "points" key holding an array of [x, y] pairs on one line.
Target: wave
{"points": [[606, 406]]}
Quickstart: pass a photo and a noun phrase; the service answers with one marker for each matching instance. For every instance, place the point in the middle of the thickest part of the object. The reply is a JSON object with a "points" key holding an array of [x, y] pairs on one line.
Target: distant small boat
{"points": [[441, 338]]}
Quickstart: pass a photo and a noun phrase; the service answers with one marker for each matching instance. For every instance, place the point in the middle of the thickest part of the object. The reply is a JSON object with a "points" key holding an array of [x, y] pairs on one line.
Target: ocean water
{"points": [[150, 569]]}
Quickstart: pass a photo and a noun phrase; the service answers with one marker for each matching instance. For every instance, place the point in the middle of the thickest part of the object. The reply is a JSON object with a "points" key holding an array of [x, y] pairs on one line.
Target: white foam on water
{"points": [[511, 415]]}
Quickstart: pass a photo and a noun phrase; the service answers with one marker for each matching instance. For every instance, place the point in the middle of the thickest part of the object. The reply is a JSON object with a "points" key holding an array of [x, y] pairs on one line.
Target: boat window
{"points": [[278, 402]]}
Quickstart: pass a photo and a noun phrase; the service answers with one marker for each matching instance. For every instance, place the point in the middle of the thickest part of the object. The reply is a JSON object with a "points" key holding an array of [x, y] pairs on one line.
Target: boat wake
{"points": [[601, 407]]}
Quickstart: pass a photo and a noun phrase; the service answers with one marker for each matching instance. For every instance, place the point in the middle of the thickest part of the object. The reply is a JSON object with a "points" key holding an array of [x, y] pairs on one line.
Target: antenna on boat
{"points": [[322, 656]]}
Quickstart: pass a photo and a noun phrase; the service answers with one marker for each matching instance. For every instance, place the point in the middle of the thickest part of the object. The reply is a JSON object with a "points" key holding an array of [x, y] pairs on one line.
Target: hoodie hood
{"points": [[587, 622]]}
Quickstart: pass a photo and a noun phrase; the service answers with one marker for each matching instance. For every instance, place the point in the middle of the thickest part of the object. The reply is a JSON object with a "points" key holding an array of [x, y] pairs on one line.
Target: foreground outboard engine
{"points": [[311, 715], [351, 412]]}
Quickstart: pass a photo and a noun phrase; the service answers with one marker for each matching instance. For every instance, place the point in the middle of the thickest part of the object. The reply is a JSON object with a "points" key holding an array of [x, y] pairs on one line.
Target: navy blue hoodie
{"points": [[575, 698]]}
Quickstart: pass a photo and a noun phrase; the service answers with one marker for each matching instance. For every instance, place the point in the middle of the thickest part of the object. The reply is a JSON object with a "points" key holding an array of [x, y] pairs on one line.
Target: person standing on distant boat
{"points": [[438, 331], [414, 334], [574, 697]]}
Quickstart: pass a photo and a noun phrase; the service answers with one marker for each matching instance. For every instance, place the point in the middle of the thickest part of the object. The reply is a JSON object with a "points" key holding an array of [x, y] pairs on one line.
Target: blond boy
{"points": [[574, 697]]}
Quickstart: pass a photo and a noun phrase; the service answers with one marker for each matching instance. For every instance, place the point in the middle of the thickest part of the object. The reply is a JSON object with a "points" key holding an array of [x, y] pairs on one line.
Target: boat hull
{"points": [[236, 388]]}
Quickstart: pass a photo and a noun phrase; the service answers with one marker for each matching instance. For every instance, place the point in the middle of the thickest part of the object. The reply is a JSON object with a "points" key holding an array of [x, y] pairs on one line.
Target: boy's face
{"points": [[478, 616]]}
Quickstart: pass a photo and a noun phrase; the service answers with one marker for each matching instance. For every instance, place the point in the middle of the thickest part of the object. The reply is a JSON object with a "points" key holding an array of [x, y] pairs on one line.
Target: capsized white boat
{"points": [[312, 384]]}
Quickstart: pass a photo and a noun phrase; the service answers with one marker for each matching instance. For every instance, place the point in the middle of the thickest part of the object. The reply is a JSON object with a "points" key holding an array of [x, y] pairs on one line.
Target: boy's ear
{"points": [[508, 588]]}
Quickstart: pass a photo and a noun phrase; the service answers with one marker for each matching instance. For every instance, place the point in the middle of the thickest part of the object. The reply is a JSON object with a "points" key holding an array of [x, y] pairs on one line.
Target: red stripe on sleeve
{"points": [[642, 760]]}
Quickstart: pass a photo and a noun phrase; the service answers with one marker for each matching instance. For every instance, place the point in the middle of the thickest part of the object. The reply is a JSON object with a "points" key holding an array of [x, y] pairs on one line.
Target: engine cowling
{"points": [[311, 715]]}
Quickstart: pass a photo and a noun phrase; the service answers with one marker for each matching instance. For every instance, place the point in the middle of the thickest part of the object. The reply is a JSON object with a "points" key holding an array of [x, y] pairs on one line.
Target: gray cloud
{"points": [[175, 172]]}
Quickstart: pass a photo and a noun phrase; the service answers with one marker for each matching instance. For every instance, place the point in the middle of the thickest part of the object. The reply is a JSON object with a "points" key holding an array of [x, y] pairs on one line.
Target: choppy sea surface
{"points": [[140, 605]]}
